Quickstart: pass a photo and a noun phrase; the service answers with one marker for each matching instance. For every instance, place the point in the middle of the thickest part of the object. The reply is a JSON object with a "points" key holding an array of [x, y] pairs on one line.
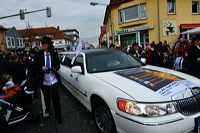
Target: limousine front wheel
{"points": [[103, 119]]}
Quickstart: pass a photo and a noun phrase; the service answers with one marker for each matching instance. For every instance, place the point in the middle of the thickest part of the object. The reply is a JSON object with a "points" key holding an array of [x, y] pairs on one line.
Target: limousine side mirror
{"points": [[76, 69]]}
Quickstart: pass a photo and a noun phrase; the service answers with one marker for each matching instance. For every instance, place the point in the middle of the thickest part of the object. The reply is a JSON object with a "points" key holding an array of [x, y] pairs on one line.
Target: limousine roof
{"points": [[88, 51]]}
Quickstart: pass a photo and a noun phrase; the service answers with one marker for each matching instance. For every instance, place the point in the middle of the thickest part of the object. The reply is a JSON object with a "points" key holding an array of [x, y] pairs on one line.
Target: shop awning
{"points": [[189, 25], [192, 31]]}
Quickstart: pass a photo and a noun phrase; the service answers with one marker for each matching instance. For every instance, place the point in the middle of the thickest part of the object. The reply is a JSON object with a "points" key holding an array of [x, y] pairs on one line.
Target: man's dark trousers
{"points": [[52, 92]]}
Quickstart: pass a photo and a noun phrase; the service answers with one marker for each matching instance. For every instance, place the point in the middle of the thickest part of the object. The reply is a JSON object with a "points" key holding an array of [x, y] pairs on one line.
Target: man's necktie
{"points": [[47, 63]]}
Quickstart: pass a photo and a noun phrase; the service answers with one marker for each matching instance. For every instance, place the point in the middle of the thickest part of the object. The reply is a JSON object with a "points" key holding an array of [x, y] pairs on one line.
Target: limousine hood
{"points": [[148, 84]]}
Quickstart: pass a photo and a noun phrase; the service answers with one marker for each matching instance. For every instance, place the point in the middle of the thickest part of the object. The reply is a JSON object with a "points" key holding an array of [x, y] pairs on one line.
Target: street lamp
{"points": [[95, 3], [111, 26]]}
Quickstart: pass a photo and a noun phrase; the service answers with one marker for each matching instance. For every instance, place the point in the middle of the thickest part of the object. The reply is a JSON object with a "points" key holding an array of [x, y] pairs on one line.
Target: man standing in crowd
{"points": [[194, 57], [47, 65]]}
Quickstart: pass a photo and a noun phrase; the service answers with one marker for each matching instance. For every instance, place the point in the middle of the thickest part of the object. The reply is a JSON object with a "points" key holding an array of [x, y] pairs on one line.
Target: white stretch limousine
{"points": [[126, 96]]}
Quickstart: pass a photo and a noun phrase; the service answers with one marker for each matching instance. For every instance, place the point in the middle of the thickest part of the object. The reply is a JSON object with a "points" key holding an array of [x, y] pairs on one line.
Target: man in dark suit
{"points": [[47, 65], [194, 57]]}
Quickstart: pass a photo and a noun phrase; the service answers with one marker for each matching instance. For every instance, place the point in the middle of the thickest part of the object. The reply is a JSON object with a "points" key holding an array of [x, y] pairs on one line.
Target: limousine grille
{"points": [[188, 106]]}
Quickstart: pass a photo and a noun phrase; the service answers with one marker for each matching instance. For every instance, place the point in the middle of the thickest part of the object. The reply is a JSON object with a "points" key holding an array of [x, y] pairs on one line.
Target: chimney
{"points": [[58, 27]]}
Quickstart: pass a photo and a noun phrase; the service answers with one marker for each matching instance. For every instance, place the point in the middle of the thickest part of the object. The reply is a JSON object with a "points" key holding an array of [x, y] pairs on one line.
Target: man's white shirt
{"points": [[49, 78]]}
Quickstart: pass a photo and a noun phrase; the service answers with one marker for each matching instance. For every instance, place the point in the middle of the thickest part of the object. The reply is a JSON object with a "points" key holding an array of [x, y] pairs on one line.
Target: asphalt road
{"points": [[77, 119]]}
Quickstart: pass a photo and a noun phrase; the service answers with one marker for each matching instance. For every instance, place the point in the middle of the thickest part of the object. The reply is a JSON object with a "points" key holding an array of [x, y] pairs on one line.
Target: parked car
{"points": [[127, 96]]}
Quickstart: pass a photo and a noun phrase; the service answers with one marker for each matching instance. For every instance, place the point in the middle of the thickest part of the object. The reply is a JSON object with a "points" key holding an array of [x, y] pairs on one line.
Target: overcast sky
{"points": [[76, 14]]}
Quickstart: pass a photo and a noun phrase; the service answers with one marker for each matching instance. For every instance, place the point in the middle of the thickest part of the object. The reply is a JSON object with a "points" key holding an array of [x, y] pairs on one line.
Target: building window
{"points": [[143, 11], [27, 44], [21, 42], [13, 42], [195, 7], [171, 6], [120, 17], [9, 42], [18, 42], [133, 13]]}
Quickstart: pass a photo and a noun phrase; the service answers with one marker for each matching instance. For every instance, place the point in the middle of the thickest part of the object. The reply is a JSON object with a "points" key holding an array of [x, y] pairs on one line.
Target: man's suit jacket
{"points": [[39, 62], [193, 54]]}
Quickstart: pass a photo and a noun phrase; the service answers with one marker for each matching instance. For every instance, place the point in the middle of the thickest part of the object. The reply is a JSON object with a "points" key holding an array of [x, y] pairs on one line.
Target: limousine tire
{"points": [[103, 119]]}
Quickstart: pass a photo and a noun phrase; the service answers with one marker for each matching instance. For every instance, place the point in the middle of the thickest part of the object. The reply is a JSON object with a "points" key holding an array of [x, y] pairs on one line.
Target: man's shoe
{"points": [[46, 115]]}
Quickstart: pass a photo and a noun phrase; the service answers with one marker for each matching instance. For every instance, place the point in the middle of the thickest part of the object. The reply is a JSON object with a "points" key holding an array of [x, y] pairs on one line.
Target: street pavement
{"points": [[76, 118]]}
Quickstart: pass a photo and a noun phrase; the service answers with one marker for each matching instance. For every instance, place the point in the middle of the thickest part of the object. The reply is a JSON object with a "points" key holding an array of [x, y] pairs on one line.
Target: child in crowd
{"points": [[179, 62], [9, 83], [9, 89]]}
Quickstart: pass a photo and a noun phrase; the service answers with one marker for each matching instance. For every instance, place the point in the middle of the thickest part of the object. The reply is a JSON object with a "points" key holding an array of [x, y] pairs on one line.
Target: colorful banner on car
{"points": [[164, 84]]}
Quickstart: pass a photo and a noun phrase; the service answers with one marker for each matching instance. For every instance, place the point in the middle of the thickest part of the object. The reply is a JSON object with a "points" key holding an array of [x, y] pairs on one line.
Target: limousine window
{"points": [[79, 61], [110, 61], [60, 56], [68, 60]]}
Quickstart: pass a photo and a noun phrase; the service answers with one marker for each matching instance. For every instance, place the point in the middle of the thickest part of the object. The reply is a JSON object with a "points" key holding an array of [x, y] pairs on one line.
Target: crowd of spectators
{"points": [[183, 56], [15, 67]]}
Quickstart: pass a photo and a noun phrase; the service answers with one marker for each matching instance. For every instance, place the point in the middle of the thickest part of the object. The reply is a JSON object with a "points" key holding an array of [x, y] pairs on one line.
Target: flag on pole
{"points": [[78, 48]]}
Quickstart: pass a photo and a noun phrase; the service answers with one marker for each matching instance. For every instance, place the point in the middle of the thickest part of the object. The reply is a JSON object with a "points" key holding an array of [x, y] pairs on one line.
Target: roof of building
{"points": [[3, 28], [42, 32], [69, 30], [117, 2], [113, 3]]}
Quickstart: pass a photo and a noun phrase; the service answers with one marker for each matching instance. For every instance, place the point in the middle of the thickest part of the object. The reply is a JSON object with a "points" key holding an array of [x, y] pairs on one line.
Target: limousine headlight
{"points": [[145, 109]]}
